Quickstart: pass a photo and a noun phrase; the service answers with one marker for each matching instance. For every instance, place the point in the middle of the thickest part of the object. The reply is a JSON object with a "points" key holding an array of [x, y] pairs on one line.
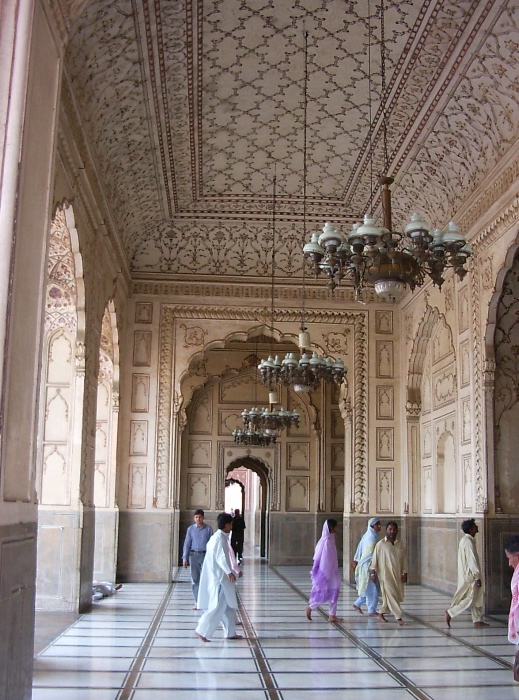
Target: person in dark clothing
{"points": [[237, 535]]}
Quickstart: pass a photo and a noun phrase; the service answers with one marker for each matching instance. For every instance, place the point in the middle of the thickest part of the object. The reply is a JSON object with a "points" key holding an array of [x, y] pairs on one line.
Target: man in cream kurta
{"points": [[470, 588], [389, 565], [217, 592]]}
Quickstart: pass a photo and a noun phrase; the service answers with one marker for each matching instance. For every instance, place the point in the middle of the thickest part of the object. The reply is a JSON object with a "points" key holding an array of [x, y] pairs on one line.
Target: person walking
{"points": [[326, 578], [361, 565], [512, 554], [238, 535], [469, 593], [217, 591], [389, 568], [193, 552]]}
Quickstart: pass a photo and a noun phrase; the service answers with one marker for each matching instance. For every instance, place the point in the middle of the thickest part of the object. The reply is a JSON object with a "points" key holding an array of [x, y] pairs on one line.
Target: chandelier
{"points": [[253, 438], [305, 373], [390, 260], [269, 420]]}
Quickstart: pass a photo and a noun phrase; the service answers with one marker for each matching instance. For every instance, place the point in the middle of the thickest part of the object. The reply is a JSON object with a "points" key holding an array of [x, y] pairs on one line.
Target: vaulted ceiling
{"points": [[191, 106]]}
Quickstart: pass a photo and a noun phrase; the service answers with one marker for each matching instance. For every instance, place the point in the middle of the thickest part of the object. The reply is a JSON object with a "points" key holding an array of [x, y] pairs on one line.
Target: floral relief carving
{"points": [[336, 343], [194, 336]]}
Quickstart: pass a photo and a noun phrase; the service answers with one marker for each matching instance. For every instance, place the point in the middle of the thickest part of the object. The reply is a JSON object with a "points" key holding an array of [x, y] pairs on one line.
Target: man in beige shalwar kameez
{"points": [[389, 564], [470, 589]]}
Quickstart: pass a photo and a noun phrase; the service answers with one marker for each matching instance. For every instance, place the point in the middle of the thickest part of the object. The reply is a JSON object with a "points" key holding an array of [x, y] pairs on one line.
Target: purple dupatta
{"points": [[326, 578]]}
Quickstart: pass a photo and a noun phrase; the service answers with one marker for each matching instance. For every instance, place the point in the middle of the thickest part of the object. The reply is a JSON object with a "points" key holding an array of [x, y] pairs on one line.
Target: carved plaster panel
{"points": [[298, 456], [384, 350], [427, 490], [463, 309], [337, 458], [384, 322], [464, 363], [198, 491], [297, 494], [137, 485], [385, 495], [143, 312], [385, 444], [442, 345], [229, 420], [199, 453], [142, 348], [426, 440], [201, 416], [466, 421], [444, 386], [140, 393], [337, 424], [385, 402], [337, 484], [466, 463], [138, 437]]}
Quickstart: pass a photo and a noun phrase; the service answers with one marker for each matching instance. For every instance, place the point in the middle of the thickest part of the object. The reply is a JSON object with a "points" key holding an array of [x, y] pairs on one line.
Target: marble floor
{"points": [[140, 645]]}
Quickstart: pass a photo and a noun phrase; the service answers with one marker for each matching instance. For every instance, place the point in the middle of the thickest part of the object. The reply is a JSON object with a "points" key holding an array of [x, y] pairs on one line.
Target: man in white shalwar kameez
{"points": [[470, 589], [217, 591], [389, 564]]}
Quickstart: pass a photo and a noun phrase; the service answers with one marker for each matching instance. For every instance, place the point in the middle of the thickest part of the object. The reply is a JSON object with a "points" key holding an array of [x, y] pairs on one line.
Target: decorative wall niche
{"points": [[464, 364], [384, 359], [142, 348], [298, 494], [337, 424], [201, 415], [143, 312], [385, 490], [140, 393], [384, 322], [385, 444], [138, 437], [426, 440], [385, 402], [466, 463], [199, 453], [427, 490], [199, 491], [298, 456], [337, 457], [466, 424], [337, 484], [137, 485], [463, 309]]}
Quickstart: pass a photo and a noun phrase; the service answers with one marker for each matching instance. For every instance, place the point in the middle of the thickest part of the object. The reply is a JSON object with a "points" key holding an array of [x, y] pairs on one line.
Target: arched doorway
{"points": [[253, 477]]}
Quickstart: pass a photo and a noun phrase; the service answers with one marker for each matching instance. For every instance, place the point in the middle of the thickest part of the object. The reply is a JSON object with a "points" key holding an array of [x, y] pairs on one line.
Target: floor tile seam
{"points": [[461, 641], [268, 678], [393, 672], [139, 658]]}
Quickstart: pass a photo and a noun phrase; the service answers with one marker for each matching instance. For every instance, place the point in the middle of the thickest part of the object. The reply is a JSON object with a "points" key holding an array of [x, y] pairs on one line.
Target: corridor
{"points": [[140, 645]]}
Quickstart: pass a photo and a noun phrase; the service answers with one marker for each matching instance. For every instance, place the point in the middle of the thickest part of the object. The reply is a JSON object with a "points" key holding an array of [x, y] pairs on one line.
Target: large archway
{"points": [[261, 523]]}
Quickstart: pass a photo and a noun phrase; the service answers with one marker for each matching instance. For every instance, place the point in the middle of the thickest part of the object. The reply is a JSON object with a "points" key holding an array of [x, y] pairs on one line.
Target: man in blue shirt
{"points": [[195, 544]]}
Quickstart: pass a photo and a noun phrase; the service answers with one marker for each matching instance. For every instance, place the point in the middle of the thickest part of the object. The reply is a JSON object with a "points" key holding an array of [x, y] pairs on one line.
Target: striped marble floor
{"points": [[140, 645]]}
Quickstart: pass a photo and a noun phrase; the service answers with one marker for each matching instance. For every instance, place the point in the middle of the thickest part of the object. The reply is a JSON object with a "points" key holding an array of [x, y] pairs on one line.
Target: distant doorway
{"points": [[246, 487]]}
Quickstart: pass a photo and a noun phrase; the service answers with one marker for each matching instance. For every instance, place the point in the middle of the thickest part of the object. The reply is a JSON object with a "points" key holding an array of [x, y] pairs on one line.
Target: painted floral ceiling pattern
{"points": [[189, 106]]}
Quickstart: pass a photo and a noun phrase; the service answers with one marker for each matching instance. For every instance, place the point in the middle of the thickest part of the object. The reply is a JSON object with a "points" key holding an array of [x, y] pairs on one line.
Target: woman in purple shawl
{"points": [[326, 579]]}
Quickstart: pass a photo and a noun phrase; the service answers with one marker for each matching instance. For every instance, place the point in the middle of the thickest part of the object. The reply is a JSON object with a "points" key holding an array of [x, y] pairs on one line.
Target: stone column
{"points": [[412, 480], [489, 369]]}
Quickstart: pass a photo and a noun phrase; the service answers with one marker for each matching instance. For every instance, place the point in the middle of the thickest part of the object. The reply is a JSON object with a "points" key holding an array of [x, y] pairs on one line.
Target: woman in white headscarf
{"points": [[366, 588]]}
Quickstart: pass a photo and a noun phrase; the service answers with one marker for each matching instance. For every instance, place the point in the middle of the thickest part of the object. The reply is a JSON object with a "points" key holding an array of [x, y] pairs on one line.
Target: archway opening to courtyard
{"points": [[246, 487]]}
